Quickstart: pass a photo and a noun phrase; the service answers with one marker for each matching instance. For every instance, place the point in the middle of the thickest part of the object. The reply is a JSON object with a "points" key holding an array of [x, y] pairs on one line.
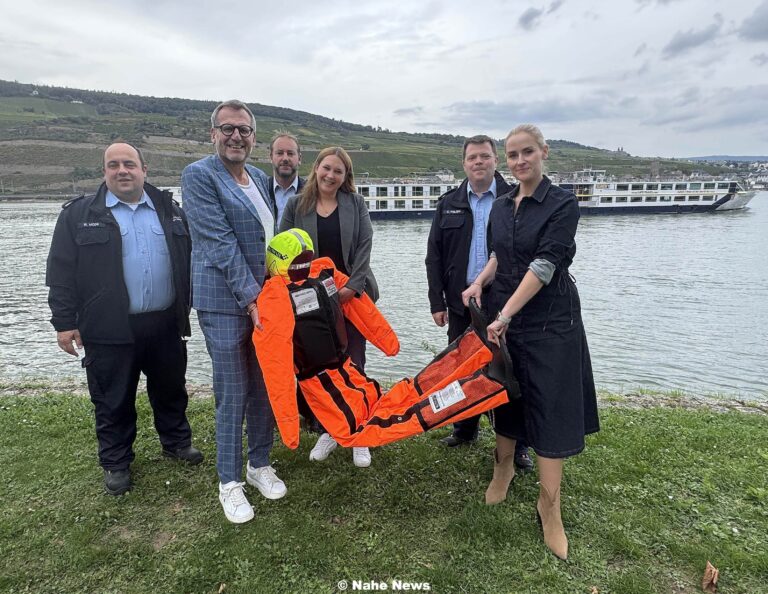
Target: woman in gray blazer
{"points": [[337, 220]]}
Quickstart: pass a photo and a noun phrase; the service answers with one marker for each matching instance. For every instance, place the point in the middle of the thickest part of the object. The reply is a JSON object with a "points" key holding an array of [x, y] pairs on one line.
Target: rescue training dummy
{"points": [[304, 338]]}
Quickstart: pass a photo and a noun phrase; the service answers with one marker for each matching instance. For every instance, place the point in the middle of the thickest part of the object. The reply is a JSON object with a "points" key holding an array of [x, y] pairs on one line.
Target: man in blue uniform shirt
{"points": [[118, 273], [457, 253]]}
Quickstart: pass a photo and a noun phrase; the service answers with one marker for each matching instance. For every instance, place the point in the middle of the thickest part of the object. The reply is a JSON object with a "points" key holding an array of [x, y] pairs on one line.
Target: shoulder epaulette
{"points": [[444, 194], [72, 201]]}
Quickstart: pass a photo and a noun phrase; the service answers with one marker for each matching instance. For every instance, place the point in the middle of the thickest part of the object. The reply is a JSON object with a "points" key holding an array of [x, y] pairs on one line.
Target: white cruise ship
{"points": [[596, 192]]}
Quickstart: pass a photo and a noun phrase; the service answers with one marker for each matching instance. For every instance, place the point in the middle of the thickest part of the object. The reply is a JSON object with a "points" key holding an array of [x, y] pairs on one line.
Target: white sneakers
{"points": [[323, 448], [232, 497], [236, 506], [361, 457], [266, 481]]}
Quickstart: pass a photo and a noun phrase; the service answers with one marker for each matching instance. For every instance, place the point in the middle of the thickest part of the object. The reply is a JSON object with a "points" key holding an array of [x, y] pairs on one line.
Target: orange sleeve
{"points": [[363, 313], [274, 350]]}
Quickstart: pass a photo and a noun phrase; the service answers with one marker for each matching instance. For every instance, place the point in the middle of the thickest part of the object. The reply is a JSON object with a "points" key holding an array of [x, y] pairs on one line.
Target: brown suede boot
{"points": [[503, 470], [548, 512]]}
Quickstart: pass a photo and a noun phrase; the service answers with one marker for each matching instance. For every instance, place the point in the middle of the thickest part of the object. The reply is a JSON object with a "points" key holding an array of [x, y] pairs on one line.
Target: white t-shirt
{"points": [[265, 214]]}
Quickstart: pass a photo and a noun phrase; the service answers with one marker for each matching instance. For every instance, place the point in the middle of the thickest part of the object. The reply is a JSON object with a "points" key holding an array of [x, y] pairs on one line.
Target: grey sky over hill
{"points": [[657, 77]]}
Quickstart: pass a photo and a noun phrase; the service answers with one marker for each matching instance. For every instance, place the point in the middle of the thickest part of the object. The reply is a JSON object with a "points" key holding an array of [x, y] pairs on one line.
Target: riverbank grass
{"points": [[657, 493]]}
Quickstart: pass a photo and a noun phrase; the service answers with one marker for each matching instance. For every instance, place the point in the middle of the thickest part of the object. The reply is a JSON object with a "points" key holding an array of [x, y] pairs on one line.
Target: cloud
{"points": [[684, 41], [760, 59], [644, 3], [529, 20], [499, 115], [409, 111], [755, 27], [751, 110], [696, 112], [641, 49], [554, 6]]}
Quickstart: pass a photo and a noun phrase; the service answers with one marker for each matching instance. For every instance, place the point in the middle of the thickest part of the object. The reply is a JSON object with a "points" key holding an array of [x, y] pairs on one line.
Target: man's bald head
{"points": [[125, 171]]}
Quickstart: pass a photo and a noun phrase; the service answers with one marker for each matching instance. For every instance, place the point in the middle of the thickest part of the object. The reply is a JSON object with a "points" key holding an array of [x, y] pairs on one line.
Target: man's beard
{"points": [[287, 176]]}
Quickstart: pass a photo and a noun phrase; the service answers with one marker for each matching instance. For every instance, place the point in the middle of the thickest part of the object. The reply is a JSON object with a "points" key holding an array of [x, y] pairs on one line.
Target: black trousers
{"points": [[113, 372], [468, 428]]}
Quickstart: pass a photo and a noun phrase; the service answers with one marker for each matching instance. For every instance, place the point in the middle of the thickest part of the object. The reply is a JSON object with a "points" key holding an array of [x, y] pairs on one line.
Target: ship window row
{"points": [[625, 199], [383, 191], [399, 204], [671, 187]]}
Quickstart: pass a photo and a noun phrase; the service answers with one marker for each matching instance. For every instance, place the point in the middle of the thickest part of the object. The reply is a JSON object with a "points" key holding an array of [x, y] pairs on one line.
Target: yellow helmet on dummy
{"points": [[289, 255]]}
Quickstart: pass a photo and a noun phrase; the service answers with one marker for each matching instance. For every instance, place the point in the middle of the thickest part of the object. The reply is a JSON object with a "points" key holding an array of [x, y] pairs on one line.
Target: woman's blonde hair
{"points": [[311, 190], [528, 129]]}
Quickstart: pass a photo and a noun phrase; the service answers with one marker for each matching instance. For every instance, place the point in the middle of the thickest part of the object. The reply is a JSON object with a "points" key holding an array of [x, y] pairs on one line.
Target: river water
{"points": [[669, 301]]}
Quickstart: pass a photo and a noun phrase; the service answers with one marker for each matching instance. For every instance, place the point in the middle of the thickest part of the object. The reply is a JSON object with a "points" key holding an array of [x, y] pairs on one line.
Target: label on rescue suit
{"points": [[330, 286], [304, 301], [446, 397]]}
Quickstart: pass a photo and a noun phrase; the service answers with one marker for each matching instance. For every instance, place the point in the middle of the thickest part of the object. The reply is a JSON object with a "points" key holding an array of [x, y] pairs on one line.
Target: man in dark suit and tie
{"points": [[285, 154], [232, 219], [118, 273]]}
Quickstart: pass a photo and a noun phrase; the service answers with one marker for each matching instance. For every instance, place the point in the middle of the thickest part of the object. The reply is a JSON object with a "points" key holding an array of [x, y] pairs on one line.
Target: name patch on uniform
{"points": [[89, 225], [177, 218], [446, 397], [456, 211], [330, 287], [305, 300]]}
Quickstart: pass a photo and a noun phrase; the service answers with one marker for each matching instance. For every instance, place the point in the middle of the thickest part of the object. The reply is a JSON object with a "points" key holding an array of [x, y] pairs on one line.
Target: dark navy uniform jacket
{"points": [[85, 268], [448, 247]]}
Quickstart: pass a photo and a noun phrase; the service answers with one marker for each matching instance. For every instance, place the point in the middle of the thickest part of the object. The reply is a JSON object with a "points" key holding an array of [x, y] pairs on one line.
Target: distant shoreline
{"points": [[36, 198]]}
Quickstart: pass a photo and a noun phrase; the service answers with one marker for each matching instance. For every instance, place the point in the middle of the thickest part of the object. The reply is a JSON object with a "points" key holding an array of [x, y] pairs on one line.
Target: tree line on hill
{"points": [[111, 103]]}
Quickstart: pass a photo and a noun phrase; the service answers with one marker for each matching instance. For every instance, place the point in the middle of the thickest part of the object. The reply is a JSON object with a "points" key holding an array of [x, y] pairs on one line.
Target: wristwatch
{"points": [[503, 319]]}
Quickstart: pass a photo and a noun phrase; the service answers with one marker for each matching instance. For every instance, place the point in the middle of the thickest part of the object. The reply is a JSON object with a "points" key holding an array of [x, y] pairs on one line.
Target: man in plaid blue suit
{"points": [[232, 219]]}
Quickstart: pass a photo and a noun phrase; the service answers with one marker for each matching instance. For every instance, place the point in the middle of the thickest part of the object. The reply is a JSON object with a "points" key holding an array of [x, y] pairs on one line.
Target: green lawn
{"points": [[656, 494]]}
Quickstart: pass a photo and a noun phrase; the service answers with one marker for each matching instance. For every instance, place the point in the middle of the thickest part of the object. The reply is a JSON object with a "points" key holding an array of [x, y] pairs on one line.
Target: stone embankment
{"points": [[631, 400]]}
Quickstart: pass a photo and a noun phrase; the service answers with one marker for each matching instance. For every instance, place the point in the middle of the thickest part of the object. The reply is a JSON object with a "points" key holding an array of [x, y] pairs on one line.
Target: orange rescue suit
{"points": [[351, 406]]}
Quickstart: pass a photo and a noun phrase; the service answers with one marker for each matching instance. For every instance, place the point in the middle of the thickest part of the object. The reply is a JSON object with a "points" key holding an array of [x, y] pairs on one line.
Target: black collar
{"points": [[460, 197], [538, 194]]}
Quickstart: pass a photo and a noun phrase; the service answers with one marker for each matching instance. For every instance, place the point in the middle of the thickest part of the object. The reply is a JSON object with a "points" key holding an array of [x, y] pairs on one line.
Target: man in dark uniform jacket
{"points": [[457, 253], [285, 154], [118, 272]]}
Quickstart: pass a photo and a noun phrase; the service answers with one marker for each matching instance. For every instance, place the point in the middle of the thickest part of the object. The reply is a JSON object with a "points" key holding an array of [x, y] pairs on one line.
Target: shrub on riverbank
{"points": [[656, 494]]}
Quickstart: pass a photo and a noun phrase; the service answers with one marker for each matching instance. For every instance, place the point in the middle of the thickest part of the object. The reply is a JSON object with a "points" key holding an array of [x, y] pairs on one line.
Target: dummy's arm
{"points": [[274, 350]]}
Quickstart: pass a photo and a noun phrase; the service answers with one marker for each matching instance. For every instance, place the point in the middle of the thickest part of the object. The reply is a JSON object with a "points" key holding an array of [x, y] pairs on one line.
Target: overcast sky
{"points": [[657, 77]]}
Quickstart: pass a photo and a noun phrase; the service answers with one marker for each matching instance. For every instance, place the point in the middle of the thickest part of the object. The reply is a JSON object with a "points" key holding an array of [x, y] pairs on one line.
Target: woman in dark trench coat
{"points": [[534, 297]]}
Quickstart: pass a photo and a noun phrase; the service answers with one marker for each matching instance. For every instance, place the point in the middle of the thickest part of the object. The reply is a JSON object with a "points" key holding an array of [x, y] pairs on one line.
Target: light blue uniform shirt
{"points": [[478, 249], [281, 195], [146, 262]]}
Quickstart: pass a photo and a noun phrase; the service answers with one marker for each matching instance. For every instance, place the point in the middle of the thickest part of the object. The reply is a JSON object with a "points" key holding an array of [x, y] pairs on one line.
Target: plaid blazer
{"points": [[227, 236]]}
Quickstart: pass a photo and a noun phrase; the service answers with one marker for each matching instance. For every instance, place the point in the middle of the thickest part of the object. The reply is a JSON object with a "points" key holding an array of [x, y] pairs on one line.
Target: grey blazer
{"points": [[356, 238]]}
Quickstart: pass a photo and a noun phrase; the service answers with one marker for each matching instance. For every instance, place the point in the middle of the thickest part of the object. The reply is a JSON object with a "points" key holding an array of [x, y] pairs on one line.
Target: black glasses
{"points": [[229, 130]]}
